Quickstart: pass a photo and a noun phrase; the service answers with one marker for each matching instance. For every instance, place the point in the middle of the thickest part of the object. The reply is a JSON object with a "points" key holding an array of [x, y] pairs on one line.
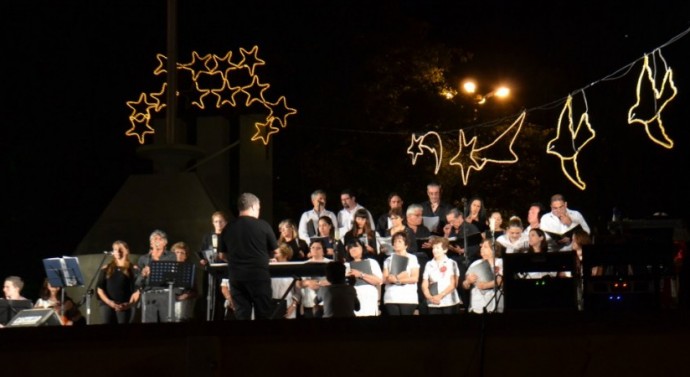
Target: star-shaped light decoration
{"points": [[578, 137], [265, 130], [141, 108], [221, 78], [250, 59], [481, 154], [280, 110], [465, 158], [140, 128], [199, 64], [255, 92], [419, 145], [654, 126]]}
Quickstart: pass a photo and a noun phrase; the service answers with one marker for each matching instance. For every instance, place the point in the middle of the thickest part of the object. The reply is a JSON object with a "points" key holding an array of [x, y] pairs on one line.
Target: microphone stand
{"points": [[86, 298]]}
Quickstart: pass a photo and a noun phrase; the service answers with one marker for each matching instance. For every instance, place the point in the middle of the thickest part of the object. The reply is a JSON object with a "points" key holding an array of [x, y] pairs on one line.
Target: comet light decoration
{"points": [[478, 157], [218, 81], [464, 158], [654, 126], [578, 137], [420, 144]]}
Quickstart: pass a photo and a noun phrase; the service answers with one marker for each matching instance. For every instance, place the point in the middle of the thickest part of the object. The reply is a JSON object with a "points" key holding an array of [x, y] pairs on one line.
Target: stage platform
{"points": [[534, 343]]}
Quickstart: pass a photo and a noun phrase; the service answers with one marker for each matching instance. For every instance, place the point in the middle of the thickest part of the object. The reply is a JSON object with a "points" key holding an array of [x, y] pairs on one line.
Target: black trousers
{"points": [[252, 294]]}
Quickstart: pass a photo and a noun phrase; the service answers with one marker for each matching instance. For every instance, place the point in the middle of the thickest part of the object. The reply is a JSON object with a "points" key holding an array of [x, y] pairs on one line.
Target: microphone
{"points": [[109, 252], [492, 225]]}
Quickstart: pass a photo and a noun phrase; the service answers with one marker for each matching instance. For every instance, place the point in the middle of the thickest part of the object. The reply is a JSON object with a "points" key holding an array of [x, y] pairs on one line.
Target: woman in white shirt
{"points": [[400, 296], [480, 279], [440, 280], [368, 282], [513, 239]]}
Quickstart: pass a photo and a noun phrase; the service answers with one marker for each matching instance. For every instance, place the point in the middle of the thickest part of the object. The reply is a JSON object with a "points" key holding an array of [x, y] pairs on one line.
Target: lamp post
{"points": [[470, 88]]}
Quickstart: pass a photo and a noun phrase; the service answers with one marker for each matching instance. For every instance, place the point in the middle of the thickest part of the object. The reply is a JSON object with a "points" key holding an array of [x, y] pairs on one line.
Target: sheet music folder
{"points": [[363, 266], [567, 234], [398, 264]]}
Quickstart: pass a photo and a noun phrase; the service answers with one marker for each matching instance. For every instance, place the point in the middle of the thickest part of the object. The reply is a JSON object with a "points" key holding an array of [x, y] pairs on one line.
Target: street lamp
{"points": [[470, 87]]}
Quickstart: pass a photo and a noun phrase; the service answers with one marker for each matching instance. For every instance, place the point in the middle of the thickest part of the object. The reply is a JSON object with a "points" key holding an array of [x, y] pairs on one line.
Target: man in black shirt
{"points": [[249, 244]]}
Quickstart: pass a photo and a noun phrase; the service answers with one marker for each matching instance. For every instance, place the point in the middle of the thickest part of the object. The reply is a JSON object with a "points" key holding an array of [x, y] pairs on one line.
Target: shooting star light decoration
{"points": [[420, 144]]}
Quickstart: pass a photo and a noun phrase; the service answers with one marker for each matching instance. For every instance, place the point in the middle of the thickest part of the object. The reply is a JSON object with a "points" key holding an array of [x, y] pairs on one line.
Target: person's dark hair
{"points": [[328, 221], [395, 212], [581, 237], [335, 272], [348, 192], [128, 269], [515, 221], [557, 198], [362, 214], [401, 234], [246, 200], [482, 208], [44, 293], [391, 195], [542, 208], [543, 245], [320, 242], [16, 281]]}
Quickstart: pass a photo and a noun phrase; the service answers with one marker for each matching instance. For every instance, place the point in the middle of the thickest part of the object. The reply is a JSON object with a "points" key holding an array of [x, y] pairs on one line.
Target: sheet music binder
{"points": [[364, 266], [181, 274], [398, 264]]}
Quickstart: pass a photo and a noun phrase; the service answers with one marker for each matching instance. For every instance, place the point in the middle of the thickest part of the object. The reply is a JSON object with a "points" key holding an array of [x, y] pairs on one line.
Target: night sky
{"points": [[68, 69]]}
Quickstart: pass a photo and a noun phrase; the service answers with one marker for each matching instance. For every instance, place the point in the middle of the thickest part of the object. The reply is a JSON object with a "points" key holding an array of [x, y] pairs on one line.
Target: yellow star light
{"points": [[250, 59], [255, 92], [225, 95], [646, 73], [141, 107], [569, 164], [213, 82], [139, 129], [478, 154], [198, 64], [223, 63], [280, 110], [265, 130], [159, 98], [417, 148], [465, 159]]}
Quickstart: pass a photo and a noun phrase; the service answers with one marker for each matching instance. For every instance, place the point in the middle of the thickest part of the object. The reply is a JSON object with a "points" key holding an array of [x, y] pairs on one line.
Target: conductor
{"points": [[249, 243]]}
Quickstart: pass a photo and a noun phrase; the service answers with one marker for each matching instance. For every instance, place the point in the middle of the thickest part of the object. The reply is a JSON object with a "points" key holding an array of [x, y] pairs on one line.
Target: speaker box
{"points": [[35, 318]]}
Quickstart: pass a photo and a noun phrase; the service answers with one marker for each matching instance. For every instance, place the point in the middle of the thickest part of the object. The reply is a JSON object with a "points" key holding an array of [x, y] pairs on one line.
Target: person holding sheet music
{"points": [[400, 274], [155, 300], [347, 214], [327, 235], [384, 221], [362, 229], [288, 236], [309, 286], [210, 241], [481, 278], [434, 210], [560, 223], [117, 293], [308, 222], [397, 225], [457, 229], [440, 280], [51, 297], [186, 298], [514, 241], [368, 281], [280, 285]]}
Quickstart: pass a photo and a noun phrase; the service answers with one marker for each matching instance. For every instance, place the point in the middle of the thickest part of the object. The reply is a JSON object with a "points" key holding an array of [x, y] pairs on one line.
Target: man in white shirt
{"points": [[309, 222], [560, 220], [534, 214], [350, 206]]}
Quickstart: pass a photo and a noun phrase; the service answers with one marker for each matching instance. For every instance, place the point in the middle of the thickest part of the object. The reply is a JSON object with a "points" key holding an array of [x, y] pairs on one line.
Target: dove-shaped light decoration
{"points": [[577, 137], [420, 144], [211, 77], [654, 126]]}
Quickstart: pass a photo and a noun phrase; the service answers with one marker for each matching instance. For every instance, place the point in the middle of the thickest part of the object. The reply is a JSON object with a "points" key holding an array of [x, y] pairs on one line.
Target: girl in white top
{"points": [[483, 292], [513, 240], [280, 285], [400, 297], [368, 284], [441, 273]]}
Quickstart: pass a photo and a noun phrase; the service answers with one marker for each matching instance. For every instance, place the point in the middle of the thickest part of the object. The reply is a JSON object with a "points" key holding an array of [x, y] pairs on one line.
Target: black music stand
{"points": [[63, 272], [173, 275]]}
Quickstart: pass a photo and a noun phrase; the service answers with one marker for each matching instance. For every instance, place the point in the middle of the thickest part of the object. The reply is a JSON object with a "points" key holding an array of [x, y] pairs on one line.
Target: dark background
{"points": [[69, 68]]}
